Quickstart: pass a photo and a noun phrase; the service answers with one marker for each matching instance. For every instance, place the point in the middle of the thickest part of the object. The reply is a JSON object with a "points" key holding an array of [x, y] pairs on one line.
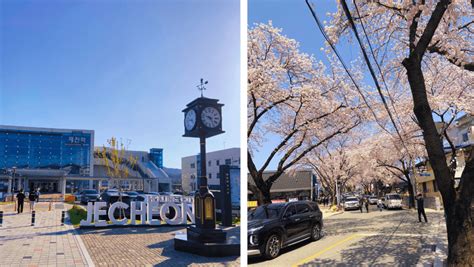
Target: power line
{"points": [[369, 65], [321, 28], [377, 64]]}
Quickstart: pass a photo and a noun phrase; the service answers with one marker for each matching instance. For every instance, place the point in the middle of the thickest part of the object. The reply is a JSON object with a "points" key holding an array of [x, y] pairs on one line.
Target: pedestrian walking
{"points": [[361, 204], [21, 200], [32, 199], [379, 204], [366, 202], [37, 194], [420, 205]]}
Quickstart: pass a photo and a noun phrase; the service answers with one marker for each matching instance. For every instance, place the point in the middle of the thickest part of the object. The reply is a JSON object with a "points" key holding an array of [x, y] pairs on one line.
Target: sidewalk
{"points": [[45, 244], [439, 239], [327, 212]]}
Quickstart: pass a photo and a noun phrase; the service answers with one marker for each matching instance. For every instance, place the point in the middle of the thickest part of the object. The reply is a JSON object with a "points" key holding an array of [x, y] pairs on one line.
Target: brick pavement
{"points": [[143, 246], [46, 244]]}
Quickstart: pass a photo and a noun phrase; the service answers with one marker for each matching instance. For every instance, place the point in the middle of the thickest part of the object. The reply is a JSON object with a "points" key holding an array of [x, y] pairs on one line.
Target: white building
{"points": [[190, 167], [462, 133]]}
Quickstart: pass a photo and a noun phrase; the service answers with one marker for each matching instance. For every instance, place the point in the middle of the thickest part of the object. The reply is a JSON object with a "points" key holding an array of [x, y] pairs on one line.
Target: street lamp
{"points": [[338, 194], [13, 176]]}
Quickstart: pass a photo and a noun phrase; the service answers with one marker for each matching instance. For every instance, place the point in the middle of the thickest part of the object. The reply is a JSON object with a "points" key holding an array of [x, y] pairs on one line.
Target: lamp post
{"points": [[13, 177]]}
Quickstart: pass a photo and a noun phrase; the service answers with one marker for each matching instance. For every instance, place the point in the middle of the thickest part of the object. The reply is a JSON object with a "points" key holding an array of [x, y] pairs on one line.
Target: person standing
{"points": [[366, 202], [37, 194], [21, 200], [420, 205], [379, 204], [361, 204], [32, 199]]}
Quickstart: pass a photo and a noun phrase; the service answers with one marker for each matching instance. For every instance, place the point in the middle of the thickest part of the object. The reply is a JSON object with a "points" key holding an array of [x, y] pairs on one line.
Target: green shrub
{"points": [[76, 214]]}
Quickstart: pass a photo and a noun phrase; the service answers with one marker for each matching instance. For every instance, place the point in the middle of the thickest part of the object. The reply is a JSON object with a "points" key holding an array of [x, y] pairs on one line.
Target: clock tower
{"points": [[203, 119]]}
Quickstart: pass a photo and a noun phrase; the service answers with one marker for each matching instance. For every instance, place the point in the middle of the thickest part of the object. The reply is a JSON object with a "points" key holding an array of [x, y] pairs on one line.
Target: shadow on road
{"points": [[178, 258]]}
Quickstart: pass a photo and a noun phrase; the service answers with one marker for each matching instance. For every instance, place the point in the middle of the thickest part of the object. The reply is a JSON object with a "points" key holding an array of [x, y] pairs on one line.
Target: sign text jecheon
{"points": [[153, 205]]}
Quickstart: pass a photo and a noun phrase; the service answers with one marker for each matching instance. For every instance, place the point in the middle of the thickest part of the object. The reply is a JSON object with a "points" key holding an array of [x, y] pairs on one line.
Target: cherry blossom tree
{"points": [[335, 162], [396, 158], [294, 99], [426, 47]]}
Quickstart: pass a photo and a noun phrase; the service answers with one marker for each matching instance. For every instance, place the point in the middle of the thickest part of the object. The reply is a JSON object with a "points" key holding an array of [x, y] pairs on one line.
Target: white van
{"points": [[393, 201]]}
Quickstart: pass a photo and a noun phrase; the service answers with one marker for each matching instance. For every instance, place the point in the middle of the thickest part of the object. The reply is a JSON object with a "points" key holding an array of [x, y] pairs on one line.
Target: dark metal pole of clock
{"points": [[203, 178]]}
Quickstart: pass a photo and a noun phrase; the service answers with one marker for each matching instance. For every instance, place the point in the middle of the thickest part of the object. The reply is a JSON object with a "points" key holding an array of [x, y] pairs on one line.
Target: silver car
{"points": [[351, 203]]}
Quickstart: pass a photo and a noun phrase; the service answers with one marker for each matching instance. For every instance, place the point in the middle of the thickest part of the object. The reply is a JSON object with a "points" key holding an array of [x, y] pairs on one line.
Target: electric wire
{"points": [[381, 75], [321, 28]]}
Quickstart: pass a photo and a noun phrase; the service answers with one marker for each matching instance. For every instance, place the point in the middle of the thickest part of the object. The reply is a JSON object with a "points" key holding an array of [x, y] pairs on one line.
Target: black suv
{"points": [[88, 195], [275, 226]]}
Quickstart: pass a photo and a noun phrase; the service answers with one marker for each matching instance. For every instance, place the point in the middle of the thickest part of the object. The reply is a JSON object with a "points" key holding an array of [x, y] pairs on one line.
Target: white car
{"points": [[392, 201], [351, 203]]}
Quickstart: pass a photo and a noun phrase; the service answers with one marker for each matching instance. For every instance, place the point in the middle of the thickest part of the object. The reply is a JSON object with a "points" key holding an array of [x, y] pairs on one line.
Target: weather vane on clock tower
{"points": [[201, 87]]}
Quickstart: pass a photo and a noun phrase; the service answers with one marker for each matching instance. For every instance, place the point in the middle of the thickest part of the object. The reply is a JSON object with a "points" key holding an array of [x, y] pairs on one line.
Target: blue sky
{"points": [[297, 23], [121, 68]]}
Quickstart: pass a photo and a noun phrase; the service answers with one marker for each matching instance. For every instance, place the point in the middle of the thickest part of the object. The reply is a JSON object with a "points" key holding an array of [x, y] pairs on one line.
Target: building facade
{"points": [[191, 167], [43, 157], [298, 185], [462, 136], [65, 161]]}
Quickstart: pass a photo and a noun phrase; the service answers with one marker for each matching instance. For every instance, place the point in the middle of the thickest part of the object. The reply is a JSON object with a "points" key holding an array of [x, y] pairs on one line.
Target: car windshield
{"points": [[351, 199], [271, 211], [90, 192], [393, 197]]}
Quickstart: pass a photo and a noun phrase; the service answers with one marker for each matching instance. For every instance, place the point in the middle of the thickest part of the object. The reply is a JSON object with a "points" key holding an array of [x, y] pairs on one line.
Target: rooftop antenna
{"points": [[201, 86]]}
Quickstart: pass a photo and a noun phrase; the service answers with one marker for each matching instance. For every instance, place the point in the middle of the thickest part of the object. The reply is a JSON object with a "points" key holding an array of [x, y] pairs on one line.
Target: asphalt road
{"points": [[393, 237]]}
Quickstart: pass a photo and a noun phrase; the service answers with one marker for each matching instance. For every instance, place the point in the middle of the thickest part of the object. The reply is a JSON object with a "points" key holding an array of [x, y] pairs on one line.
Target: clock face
{"points": [[190, 120], [210, 117]]}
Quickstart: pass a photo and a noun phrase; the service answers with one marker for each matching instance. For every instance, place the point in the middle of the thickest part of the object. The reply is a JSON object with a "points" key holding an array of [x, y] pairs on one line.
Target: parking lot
{"points": [[390, 237]]}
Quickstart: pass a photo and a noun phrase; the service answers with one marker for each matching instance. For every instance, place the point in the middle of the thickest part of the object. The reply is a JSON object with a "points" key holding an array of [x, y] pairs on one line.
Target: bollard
{"points": [[63, 214], [50, 205], [1, 218], [33, 217]]}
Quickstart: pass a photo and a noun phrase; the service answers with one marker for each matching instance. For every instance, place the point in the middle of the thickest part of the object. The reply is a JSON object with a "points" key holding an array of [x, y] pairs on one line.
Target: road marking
{"points": [[397, 235], [312, 257]]}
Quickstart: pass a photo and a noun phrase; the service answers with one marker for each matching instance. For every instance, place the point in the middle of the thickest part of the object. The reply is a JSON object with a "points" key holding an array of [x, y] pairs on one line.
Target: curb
{"points": [[332, 214], [79, 242]]}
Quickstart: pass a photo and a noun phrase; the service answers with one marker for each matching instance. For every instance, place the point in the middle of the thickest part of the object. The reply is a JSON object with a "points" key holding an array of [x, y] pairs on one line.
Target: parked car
{"points": [[373, 200], [272, 227], [111, 196], [392, 201], [88, 195], [132, 194], [351, 203]]}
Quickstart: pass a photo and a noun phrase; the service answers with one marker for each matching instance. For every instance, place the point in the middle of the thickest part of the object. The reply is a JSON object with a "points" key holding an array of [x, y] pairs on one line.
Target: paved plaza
{"points": [[143, 246], [50, 244], [45, 244]]}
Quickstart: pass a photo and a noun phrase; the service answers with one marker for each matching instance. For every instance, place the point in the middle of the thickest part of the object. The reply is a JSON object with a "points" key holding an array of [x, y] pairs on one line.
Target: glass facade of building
{"points": [[42, 149], [156, 156]]}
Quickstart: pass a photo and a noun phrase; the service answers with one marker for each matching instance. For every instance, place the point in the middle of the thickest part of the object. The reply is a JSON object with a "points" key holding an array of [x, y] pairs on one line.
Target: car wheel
{"points": [[316, 232], [272, 247]]}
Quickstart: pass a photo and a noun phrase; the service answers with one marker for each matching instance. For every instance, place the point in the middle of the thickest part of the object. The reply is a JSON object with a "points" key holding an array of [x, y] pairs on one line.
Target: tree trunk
{"points": [[263, 195], [411, 196], [457, 206], [334, 197], [411, 192]]}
